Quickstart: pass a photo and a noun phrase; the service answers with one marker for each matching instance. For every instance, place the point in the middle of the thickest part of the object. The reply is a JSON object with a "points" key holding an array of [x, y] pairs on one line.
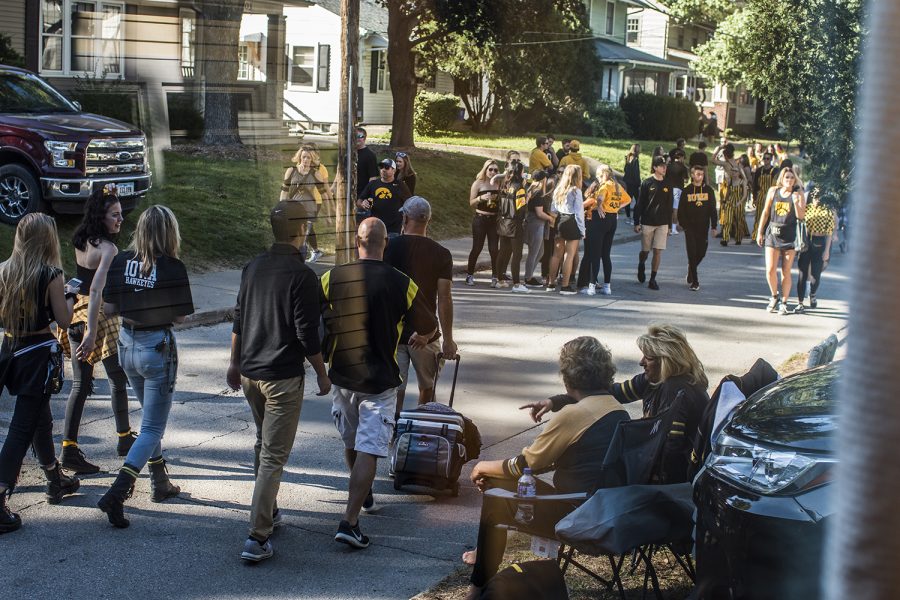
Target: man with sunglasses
{"points": [[383, 197], [366, 161]]}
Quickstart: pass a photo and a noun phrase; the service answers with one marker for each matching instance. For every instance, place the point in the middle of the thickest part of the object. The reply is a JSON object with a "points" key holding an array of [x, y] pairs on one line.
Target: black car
{"points": [[764, 498]]}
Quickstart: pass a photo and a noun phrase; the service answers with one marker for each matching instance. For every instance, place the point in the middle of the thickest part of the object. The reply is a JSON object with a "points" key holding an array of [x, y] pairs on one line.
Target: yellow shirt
{"points": [[574, 158], [538, 160], [612, 197]]}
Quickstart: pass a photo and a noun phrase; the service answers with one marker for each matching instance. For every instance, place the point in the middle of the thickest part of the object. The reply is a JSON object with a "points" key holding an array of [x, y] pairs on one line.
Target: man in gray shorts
{"points": [[652, 219], [365, 304]]}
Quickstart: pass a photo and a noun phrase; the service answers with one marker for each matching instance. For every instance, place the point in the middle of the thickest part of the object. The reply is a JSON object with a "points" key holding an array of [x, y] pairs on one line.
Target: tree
{"points": [[220, 22], [8, 54], [802, 57], [700, 11]]}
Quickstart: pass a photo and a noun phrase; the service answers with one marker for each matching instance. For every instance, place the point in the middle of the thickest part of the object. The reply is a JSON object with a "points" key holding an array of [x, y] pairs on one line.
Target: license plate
{"points": [[125, 189]]}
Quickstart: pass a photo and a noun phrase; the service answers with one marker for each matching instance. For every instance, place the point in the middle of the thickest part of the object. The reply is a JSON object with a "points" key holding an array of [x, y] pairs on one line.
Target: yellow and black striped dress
{"points": [[765, 179]]}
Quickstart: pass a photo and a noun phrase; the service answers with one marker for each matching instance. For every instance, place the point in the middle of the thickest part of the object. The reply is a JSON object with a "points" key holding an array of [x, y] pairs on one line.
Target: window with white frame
{"points": [[243, 61], [303, 66], [82, 37], [188, 42], [633, 31], [323, 77], [610, 18], [379, 80]]}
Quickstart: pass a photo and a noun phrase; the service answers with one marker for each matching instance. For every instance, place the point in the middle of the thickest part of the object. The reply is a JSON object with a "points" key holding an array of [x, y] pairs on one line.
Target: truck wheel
{"points": [[20, 193]]}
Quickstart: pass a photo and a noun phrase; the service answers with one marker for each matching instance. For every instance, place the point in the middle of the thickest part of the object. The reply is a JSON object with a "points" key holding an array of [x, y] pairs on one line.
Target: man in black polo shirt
{"points": [[384, 196], [366, 304], [276, 327]]}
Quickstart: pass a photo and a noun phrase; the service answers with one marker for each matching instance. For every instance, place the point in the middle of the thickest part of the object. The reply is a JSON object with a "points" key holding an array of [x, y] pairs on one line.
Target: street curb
{"points": [[220, 315]]}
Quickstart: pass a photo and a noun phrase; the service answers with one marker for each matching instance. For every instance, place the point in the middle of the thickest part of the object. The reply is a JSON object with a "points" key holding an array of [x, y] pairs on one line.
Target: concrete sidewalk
{"points": [[215, 292]]}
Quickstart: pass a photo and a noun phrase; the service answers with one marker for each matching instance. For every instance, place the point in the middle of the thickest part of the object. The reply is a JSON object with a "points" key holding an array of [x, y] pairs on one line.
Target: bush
{"points": [[653, 117], [610, 121], [434, 112], [8, 55]]}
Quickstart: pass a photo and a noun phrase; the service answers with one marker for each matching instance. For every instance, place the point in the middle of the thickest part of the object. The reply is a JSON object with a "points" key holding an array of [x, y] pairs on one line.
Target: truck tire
{"points": [[20, 193]]}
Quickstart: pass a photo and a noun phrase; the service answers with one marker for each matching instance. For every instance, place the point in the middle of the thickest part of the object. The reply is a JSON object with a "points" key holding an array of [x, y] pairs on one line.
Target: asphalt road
{"points": [[189, 547]]}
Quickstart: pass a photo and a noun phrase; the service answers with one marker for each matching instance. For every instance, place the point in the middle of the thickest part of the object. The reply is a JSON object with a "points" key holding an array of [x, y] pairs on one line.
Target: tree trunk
{"points": [[345, 180], [402, 67], [220, 22], [861, 556]]}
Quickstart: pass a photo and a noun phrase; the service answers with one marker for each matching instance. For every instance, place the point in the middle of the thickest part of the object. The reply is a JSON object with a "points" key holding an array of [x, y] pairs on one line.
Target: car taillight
{"points": [[766, 470]]}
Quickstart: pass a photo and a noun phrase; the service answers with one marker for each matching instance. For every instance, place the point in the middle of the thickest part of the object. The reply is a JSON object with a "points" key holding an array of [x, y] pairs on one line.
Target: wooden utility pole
{"points": [[345, 180]]}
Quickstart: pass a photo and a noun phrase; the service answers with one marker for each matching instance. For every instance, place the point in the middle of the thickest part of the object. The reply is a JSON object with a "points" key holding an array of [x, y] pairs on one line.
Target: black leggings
{"points": [[83, 386], [502, 511], [511, 248], [549, 245], [483, 226], [811, 264], [598, 239]]}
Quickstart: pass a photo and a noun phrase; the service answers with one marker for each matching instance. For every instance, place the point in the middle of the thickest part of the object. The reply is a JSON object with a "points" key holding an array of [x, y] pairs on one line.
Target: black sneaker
{"points": [[72, 459], [653, 285], [125, 443], [642, 277], [812, 302], [695, 286], [352, 536], [534, 282], [723, 243], [568, 290], [369, 505]]}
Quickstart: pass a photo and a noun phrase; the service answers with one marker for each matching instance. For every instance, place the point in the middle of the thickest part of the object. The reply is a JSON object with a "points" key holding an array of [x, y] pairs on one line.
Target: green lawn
{"points": [[222, 205]]}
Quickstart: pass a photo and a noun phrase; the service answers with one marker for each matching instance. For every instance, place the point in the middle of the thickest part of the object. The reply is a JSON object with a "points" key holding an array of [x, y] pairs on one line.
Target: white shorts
{"points": [[676, 198], [365, 421], [654, 237]]}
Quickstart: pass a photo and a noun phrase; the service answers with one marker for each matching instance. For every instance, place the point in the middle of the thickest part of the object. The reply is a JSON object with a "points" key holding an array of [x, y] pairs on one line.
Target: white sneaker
{"points": [[470, 280], [315, 255], [495, 283], [772, 306], [590, 290], [782, 308], [606, 290], [520, 289]]}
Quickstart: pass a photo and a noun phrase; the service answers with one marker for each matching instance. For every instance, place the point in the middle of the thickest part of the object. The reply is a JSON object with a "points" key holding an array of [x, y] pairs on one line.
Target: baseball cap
{"points": [[417, 208], [574, 145], [659, 161], [388, 163]]}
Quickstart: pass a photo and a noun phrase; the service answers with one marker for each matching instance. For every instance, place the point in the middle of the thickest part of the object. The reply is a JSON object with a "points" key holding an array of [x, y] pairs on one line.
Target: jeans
{"points": [[811, 263], [32, 422], [483, 226], [83, 386], [150, 360], [511, 251], [276, 412], [534, 239], [549, 243], [598, 241]]}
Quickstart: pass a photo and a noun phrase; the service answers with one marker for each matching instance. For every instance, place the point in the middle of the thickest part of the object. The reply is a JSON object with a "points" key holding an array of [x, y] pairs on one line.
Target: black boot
{"points": [[113, 501], [59, 484], [9, 521], [126, 441], [161, 488], [72, 459]]}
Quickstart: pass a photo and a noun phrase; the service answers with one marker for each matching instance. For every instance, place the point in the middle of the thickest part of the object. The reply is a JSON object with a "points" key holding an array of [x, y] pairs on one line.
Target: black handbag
{"points": [[801, 242]]}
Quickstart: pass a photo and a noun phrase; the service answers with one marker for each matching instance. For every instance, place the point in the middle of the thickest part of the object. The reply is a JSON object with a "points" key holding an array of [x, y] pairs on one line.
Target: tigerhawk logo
{"points": [[383, 193]]}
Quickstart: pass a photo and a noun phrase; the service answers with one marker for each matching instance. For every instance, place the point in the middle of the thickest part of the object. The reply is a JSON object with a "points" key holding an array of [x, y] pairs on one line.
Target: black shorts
{"points": [[780, 238], [567, 228]]}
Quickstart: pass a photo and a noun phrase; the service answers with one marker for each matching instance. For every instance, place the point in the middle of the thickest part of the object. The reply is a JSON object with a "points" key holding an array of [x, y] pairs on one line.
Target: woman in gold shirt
{"points": [[604, 199], [821, 224]]}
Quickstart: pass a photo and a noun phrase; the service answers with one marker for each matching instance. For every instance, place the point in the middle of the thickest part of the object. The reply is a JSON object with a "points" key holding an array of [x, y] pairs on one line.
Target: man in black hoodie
{"points": [[697, 215], [652, 218]]}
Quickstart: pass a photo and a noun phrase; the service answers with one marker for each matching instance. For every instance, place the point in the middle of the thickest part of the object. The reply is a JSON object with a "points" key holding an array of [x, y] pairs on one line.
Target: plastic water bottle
{"points": [[527, 488]]}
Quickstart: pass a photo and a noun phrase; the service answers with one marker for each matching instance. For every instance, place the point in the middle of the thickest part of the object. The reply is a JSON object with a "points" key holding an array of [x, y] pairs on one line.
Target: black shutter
{"points": [[324, 74], [373, 73]]}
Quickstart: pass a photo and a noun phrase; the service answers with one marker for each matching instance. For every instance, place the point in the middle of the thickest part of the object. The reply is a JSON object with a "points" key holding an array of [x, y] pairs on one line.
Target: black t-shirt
{"points": [[277, 314], [425, 261], [364, 305], [153, 300], [654, 205], [697, 209], [676, 174], [366, 167], [387, 200], [535, 198]]}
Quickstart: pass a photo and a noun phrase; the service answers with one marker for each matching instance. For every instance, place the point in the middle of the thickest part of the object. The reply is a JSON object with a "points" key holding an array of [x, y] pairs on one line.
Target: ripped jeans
{"points": [[150, 360]]}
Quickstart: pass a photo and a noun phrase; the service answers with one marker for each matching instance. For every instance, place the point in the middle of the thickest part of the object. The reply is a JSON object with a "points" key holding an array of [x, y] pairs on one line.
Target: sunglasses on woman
{"points": [[492, 169]]}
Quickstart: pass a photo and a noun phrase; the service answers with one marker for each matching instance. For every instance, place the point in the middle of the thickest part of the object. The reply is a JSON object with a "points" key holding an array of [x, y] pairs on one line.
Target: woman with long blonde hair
{"points": [[148, 286], [785, 205], [32, 296], [604, 199], [483, 197], [568, 207], [307, 181]]}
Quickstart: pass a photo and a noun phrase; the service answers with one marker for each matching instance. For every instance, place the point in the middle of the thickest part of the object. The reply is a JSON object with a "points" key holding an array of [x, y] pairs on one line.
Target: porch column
{"points": [[275, 65]]}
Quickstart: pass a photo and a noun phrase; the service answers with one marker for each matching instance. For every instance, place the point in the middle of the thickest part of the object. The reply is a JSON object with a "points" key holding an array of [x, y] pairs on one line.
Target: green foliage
{"points": [[8, 55], [660, 117], [802, 56], [434, 112], [610, 121], [699, 11], [107, 96]]}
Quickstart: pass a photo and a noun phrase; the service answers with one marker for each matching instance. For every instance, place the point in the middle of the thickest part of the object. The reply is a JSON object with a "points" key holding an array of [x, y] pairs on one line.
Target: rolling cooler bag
{"points": [[432, 442]]}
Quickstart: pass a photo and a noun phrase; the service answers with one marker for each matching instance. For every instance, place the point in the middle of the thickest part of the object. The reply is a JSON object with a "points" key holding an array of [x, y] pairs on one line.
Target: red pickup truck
{"points": [[54, 155]]}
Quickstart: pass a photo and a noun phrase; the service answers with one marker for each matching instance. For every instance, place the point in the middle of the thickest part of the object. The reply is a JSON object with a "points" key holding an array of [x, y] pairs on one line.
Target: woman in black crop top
{"points": [[93, 336], [148, 286], [32, 296], [483, 198]]}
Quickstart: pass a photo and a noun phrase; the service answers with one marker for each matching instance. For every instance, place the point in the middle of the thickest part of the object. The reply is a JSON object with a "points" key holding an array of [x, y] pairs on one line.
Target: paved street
{"points": [[189, 547]]}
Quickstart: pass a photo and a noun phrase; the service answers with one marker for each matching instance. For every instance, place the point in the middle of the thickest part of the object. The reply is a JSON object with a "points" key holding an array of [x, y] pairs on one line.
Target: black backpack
{"points": [[511, 210]]}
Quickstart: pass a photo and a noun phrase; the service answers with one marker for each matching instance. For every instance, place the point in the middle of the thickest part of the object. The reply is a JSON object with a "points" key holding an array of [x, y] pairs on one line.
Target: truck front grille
{"points": [[111, 156]]}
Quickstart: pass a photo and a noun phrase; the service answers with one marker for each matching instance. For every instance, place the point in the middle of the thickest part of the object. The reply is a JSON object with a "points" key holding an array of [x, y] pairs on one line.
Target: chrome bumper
{"points": [[80, 188]]}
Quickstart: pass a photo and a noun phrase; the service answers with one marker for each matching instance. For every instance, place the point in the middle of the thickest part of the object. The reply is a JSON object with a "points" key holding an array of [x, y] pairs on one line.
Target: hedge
{"points": [[653, 117], [434, 112]]}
